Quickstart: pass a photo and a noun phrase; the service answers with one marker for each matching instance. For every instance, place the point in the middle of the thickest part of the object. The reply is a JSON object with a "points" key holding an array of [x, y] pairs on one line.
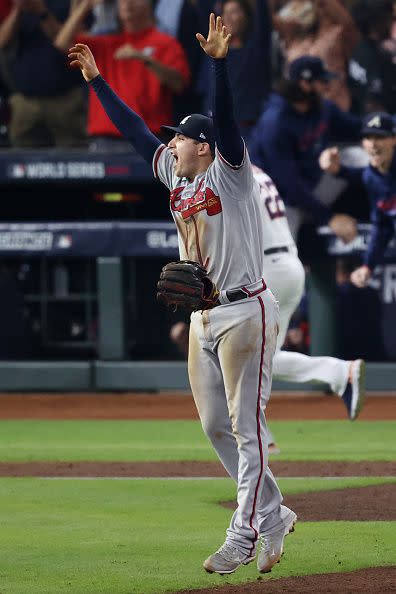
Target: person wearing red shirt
{"points": [[143, 65], [5, 8]]}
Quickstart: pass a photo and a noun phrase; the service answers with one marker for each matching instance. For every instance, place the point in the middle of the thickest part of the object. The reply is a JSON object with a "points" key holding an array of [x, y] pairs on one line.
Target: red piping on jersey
{"points": [[263, 288], [229, 164], [258, 427], [157, 156], [197, 242]]}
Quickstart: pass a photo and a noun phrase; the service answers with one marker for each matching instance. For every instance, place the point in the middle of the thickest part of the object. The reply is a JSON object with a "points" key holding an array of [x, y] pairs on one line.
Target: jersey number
{"points": [[273, 202]]}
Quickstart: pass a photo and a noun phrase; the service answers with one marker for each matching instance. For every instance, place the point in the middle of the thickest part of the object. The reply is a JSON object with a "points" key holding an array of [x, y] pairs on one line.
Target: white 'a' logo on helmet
{"points": [[184, 120], [375, 122]]}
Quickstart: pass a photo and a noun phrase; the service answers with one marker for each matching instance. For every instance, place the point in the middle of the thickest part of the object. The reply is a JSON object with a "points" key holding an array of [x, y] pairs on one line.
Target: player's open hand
{"points": [[218, 40], [330, 160], [344, 226], [361, 276], [81, 57]]}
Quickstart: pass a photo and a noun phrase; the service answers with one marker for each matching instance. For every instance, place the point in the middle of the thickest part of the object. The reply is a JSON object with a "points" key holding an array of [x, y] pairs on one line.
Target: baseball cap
{"points": [[196, 126], [378, 123], [310, 68]]}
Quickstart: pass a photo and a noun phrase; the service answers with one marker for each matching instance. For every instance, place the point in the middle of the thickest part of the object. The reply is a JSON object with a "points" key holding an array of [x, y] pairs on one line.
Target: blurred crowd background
{"points": [[147, 51], [44, 103]]}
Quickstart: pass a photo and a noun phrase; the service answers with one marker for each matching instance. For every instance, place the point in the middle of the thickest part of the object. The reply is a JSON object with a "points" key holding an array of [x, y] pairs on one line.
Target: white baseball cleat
{"points": [[226, 560], [355, 392], [272, 544]]}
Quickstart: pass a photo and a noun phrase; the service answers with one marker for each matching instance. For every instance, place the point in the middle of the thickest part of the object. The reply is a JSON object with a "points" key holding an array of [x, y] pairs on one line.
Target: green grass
{"points": [[184, 440], [151, 536]]}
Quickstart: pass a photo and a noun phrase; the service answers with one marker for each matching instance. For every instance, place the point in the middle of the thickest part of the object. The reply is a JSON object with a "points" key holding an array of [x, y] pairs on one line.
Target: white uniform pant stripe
{"points": [[226, 352]]}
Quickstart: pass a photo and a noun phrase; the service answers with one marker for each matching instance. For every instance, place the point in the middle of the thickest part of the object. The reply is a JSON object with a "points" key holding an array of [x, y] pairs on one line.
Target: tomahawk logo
{"points": [[375, 122], [184, 120]]}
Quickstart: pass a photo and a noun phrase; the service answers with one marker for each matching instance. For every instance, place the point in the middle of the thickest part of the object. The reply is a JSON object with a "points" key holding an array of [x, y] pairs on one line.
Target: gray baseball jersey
{"points": [[229, 246]]}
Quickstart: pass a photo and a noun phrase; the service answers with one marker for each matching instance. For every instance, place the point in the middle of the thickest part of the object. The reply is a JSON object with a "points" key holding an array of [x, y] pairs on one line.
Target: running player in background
{"points": [[285, 274], [215, 202]]}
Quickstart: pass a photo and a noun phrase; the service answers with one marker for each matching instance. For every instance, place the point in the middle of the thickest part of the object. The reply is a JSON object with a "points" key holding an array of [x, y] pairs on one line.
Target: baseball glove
{"points": [[186, 284]]}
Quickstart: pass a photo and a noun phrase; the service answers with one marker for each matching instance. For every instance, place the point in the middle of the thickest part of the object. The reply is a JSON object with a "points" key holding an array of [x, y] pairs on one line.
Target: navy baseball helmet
{"points": [[378, 123], [310, 68], [196, 126]]}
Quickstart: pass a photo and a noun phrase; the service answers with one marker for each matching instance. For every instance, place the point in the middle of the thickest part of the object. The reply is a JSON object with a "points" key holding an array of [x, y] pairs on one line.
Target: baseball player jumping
{"points": [[216, 204]]}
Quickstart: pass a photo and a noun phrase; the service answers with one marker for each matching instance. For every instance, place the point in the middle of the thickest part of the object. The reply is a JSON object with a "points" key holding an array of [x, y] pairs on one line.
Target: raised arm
{"points": [[271, 148], [129, 123], [330, 161], [73, 25], [228, 138], [48, 22], [10, 26], [333, 11]]}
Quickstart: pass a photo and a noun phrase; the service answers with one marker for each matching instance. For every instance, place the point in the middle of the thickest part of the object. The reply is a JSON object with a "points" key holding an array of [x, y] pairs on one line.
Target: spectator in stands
{"points": [[182, 19], [371, 70], [47, 107], [296, 125], [379, 177], [322, 28], [105, 18], [249, 57], [144, 66]]}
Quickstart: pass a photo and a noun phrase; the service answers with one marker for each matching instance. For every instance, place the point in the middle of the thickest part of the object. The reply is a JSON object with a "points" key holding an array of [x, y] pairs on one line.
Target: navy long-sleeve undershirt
{"points": [[134, 129], [228, 137], [127, 121]]}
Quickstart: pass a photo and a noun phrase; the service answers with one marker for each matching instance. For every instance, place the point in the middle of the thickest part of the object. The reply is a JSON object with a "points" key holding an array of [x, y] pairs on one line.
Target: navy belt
{"points": [[236, 295], [243, 293], [276, 250]]}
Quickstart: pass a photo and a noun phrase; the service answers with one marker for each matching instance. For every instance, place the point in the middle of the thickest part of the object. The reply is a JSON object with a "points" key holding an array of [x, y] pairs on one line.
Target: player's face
{"points": [[380, 149], [234, 18], [185, 151]]}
